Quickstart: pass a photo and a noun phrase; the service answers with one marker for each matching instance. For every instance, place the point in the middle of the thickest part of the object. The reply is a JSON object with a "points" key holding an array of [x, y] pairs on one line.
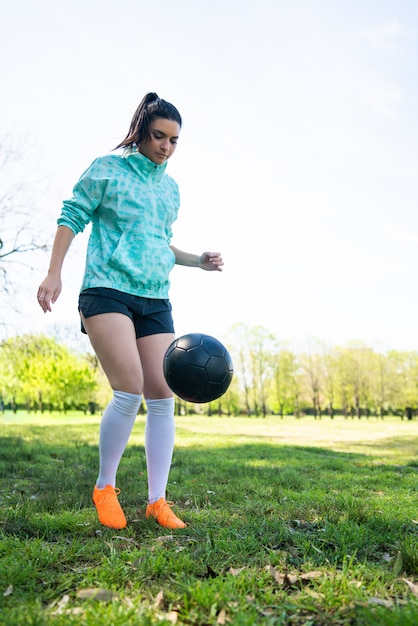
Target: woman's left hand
{"points": [[211, 261]]}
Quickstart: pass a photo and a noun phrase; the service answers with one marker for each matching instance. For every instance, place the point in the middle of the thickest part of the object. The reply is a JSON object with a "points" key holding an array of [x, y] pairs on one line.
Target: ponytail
{"points": [[150, 108]]}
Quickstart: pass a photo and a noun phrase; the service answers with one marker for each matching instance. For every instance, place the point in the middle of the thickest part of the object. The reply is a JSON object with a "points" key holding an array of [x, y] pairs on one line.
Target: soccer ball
{"points": [[198, 368]]}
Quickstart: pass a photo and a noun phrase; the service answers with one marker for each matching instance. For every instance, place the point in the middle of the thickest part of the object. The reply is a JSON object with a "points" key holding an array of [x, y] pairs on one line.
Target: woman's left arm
{"points": [[206, 261]]}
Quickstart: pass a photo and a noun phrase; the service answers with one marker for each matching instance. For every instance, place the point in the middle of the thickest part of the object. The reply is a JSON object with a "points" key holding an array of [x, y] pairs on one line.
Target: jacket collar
{"points": [[145, 167]]}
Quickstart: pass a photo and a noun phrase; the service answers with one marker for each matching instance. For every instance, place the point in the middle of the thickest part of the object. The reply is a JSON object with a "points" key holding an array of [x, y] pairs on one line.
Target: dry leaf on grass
{"points": [[165, 538], [412, 586], [101, 595], [235, 571], [76, 610], [308, 576], [221, 619], [172, 617], [125, 539], [62, 610], [8, 591], [159, 599], [380, 602], [356, 583], [121, 543], [289, 580], [61, 604]]}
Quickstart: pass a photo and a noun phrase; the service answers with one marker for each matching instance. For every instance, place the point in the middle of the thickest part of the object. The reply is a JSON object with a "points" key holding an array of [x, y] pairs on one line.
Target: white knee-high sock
{"points": [[159, 445], [115, 428]]}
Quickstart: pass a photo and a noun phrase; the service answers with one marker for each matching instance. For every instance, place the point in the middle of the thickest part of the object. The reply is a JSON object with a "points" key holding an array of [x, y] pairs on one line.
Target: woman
{"points": [[124, 307]]}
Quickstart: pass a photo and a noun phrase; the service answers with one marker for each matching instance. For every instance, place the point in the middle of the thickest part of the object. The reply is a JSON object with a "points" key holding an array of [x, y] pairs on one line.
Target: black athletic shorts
{"points": [[149, 316]]}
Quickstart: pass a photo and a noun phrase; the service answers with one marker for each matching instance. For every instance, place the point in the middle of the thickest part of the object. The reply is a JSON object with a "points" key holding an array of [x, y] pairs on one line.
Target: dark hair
{"points": [[150, 108]]}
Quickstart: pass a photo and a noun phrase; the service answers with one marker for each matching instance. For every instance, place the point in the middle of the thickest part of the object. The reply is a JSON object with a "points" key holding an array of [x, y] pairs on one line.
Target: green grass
{"points": [[289, 522]]}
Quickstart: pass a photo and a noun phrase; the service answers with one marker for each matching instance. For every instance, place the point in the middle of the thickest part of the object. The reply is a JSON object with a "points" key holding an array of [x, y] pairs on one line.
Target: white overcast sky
{"points": [[298, 157]]}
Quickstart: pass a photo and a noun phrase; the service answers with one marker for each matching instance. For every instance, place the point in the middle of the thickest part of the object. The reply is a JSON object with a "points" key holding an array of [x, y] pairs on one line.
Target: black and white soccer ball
{"points": [[198, 368]]}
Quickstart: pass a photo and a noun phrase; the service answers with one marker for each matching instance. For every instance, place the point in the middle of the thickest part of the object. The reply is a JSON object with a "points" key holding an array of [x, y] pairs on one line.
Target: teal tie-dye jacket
{"points": [[131, 204]]}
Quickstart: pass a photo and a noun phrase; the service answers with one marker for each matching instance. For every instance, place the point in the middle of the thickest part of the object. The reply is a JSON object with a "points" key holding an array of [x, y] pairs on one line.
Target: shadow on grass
{"points": [[47, 479], [403, 445]]}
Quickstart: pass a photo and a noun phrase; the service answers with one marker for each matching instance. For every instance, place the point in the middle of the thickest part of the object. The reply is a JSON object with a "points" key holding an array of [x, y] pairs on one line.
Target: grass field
{"points": [[289, 522]]}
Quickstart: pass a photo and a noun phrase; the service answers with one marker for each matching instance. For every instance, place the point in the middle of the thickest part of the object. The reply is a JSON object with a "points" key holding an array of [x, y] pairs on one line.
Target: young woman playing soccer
{"points": [[124, 307]]}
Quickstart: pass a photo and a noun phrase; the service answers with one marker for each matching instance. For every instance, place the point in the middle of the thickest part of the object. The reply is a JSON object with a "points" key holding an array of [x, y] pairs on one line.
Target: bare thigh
{"points": [[152, 350], [112, 336]]}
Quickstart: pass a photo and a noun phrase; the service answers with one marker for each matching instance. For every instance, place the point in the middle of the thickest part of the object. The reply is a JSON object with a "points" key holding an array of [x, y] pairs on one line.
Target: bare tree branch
{"points": [[21, 236], [24, 247]]}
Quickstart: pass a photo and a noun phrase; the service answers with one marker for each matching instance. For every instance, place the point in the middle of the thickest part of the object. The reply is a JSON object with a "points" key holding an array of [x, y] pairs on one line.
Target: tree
{"points": [[380, 373], [284, 373], [330, 377], [261, 344], [353, 378], [404, 382], [312, 368], [20, 236], [239, 333], [253, 349], [39, 372]]}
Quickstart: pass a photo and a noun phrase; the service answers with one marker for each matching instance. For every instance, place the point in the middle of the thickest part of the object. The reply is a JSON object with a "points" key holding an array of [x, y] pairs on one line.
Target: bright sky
{"points": [[298, 157]]}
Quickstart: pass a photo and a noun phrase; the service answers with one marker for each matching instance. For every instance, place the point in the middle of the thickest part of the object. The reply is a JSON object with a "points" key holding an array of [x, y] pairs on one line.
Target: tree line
{"points": [[355, 380], [37, 373]]}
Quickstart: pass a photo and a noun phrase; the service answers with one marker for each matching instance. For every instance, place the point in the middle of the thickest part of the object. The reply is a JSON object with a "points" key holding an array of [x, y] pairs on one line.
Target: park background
{"points": [[298, 157]]}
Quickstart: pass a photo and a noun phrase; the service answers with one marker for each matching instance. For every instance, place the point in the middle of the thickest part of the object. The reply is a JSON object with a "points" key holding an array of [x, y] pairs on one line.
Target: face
{"points": [[162, 141]]}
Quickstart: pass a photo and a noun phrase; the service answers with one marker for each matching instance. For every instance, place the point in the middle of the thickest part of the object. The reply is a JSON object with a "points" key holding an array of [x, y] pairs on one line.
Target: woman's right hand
{"points": [[48, 292], [50, 288]]}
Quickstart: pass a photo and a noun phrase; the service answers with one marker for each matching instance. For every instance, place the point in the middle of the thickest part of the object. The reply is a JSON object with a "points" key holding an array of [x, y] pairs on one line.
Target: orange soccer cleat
{"points": [[108, 508], [161, 511]]}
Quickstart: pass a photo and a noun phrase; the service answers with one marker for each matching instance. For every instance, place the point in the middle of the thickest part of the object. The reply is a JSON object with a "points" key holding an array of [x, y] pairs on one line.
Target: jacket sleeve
{"points": [[88, 192], [175, 195]]}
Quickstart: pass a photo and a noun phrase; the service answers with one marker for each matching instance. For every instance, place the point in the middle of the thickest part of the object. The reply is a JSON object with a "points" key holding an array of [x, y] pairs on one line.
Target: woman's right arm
{"points": [[50, 288]]}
